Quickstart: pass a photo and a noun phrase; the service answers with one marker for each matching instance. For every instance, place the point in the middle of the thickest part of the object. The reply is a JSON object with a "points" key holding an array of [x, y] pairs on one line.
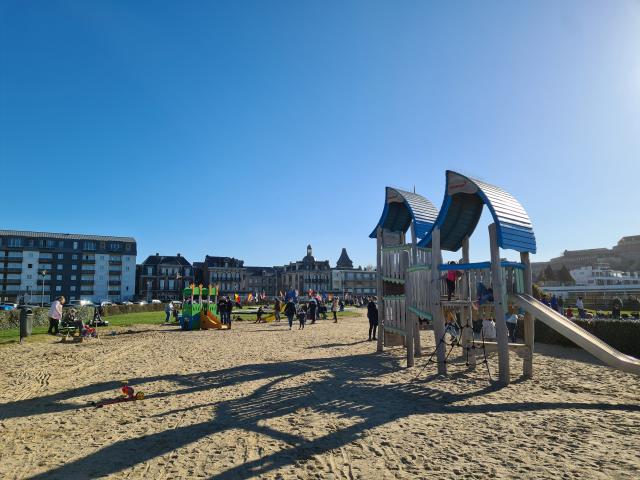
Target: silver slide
{"points": [[577, 335]]}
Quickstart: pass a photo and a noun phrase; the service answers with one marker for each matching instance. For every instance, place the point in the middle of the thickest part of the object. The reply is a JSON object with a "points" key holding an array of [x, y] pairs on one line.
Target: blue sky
{"points": [[250, 129]]}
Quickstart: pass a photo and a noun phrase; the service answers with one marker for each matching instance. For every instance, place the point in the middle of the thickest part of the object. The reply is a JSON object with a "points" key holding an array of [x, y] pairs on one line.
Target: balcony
{"points": [[88, 261], [13, 270], [114, 283], [86, 282], [115, 262], [45, 260], [12, 281]]}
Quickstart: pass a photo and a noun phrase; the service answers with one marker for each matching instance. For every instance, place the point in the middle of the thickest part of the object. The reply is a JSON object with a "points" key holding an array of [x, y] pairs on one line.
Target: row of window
{"points": [[49, 243], [59, 266], [169, 271]]}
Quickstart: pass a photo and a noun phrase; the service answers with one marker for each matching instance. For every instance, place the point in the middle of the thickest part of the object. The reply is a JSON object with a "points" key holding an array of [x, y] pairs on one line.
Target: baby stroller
{"points": [[98, 321], [70, 323]]}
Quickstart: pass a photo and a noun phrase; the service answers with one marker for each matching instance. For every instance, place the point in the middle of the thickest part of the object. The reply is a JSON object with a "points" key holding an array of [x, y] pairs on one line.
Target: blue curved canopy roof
{"points": [[401, 208], [463, 202]]}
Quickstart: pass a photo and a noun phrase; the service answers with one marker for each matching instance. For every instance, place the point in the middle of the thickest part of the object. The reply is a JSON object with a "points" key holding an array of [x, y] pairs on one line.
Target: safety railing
{"points": [[395, 318], [478, 276], [394, 262]]}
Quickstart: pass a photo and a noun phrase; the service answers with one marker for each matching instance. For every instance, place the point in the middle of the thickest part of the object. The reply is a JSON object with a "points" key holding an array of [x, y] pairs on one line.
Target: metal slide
{"points": [[577, 335]]}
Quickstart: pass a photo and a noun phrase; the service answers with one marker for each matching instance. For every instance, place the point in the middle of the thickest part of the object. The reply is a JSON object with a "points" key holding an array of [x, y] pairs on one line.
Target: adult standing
{"points": [[222, 309], [55, 315], [372, 315], [561, 305], [229, 311], [167, 312], [334, 309], [313, 308], [276, 309], [290, 312], [580, 307]]}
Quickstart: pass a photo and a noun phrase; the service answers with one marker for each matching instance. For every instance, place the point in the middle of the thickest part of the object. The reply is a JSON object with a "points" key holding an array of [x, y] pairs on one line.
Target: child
{"points": [[259, 315], [512, 323], [489, 329], [302, 317]]}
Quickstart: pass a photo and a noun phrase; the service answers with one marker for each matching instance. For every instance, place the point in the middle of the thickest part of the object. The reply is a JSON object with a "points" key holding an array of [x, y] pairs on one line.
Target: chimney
{"points": [[157, 254], [178, 255]]}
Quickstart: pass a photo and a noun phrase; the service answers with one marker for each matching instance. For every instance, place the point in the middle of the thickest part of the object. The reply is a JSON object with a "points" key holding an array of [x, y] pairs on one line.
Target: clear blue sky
{"points": [[250, 129]]}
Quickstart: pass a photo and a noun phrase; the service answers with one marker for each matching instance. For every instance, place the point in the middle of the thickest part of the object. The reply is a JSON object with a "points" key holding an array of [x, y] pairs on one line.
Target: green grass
{"points": [[39, 334]]}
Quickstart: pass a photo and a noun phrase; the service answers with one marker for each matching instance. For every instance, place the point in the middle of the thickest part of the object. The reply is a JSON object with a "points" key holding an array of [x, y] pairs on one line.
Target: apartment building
{"points": [[163, 277], [36, 267]]}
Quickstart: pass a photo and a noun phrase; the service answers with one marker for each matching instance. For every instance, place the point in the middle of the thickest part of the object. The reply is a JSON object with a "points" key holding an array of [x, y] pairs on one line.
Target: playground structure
{"points": [[200, 309], [411, 287]]}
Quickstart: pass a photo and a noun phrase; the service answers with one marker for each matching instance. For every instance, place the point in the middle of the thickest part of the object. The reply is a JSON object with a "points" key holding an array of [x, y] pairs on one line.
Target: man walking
{"points": [[55, 315]]}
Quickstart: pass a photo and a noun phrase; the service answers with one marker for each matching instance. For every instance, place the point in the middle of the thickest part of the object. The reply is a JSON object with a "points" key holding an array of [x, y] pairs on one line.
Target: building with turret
{"points": [[345, 279]]}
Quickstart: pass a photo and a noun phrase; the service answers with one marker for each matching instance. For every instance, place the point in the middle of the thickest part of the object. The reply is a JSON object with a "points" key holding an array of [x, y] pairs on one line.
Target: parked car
{"points": [[105, 303], [79, 303], [126, 302], [155, 300], [20, 307], [8, 306], [140, 302]]}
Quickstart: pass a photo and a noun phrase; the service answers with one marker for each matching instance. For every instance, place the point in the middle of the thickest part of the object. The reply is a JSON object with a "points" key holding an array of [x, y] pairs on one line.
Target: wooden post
{"points": [[499, 306], [467, 321], [414, 292], [380, 291], [529, 321], [438, 319]]}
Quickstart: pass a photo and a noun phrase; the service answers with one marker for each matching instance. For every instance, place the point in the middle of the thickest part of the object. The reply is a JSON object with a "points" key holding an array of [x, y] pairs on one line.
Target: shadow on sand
{"points": [[347, 388]]}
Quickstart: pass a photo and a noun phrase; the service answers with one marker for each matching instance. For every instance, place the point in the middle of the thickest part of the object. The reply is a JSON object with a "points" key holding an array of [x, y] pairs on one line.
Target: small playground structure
{"points": [[411, 286], [200, 309]]}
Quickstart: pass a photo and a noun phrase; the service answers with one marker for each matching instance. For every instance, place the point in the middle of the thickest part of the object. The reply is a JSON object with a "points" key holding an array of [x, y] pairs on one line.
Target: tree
{"points": [[564, 275], [549, 273]]}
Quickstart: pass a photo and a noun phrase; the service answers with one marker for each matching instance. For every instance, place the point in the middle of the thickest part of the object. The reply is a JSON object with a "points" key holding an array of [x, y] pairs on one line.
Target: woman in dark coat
{"points": [[372, 315]]}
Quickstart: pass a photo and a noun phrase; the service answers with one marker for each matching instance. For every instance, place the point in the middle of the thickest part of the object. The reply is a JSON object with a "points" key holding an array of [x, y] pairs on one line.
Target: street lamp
{"points": [[43, 273]]}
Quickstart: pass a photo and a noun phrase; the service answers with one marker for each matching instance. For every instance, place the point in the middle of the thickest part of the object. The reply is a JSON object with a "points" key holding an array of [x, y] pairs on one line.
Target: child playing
{"points": [[259, 315], [302, 317]]}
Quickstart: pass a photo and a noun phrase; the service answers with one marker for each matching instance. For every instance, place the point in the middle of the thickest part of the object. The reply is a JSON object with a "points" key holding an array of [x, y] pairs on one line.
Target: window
{"points": [[89, 245], [29, 277], [171, 284], [60, 256], [73, 277], [15, 242], [73, 288], [75, 245], [51, 244], [127, 247], [58, 277], [59, 266], [161, 284], [58, 288], [114, 246], [74, 267], [149, 271], [29, 265], [61, 244]]}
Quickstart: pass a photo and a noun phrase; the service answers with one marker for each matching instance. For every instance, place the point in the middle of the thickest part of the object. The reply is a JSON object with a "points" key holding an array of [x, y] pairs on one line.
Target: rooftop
{"points": [[63, 236]]}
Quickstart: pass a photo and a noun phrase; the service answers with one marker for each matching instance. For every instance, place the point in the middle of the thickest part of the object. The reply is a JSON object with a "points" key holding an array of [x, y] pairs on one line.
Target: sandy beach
{"points": [[261, 401]]}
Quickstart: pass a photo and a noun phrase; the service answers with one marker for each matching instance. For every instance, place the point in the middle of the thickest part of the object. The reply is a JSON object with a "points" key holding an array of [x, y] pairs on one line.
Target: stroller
{"points": [[98, 321], [70, 323]]}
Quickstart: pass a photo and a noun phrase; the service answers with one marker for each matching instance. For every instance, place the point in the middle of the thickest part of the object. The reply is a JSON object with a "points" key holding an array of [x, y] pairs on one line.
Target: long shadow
{"points": [[349, 391], [332, 345]]}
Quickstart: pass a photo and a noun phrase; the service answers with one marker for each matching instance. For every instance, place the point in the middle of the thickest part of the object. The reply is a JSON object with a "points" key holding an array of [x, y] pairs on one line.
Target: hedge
{"points": [[620, 334], [11, 318]]}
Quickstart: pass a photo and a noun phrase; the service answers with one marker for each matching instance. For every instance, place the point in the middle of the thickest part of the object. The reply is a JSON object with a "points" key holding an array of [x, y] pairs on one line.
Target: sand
{"points": [[261, 401]]}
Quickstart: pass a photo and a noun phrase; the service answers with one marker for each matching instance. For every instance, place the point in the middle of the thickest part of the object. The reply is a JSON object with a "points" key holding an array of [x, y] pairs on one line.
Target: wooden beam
{"points": [[438, 319], [529, 321], [414, 317], [379, 244], [499, 306]]}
